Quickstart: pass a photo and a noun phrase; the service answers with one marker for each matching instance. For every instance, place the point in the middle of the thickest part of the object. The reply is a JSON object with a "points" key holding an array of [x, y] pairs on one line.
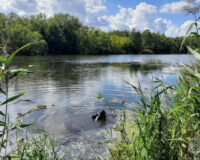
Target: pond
{"points": [[76, 87]]}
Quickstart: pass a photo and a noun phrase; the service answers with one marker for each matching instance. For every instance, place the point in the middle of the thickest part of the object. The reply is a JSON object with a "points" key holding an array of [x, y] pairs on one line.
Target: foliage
{"points": [[120, 44], [166, 127], [153, 61], [7, 76], [37, 147], [65, 34]]}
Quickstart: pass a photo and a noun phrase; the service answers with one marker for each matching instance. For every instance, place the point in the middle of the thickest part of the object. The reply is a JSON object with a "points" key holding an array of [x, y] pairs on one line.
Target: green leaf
{"points": [[12, 156], [14, 53], [135, 88], [13, 98], [17, 73], [40, 130], [2, 91], [1, 113], [195, 34], [187, 34], [15, 124], [140, 114], [2, 123], [194, 73], [3, 59], [194, 53], [26, 125]]}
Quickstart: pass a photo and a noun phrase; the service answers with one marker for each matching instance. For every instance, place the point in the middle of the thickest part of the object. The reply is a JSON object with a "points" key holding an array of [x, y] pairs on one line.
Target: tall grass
{"points": [[35, 147], [167, 125], [39, 147]]}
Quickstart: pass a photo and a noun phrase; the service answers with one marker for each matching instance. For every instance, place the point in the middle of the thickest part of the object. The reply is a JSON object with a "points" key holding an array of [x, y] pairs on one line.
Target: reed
{"points": [[167, 125], [32, 146]]}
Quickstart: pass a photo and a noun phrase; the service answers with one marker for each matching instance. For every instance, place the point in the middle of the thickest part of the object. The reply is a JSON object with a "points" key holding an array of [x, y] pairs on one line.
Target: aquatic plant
{"points": [[7, 77], [165, 130], [167, 125], [153, 61], [38, 147]]}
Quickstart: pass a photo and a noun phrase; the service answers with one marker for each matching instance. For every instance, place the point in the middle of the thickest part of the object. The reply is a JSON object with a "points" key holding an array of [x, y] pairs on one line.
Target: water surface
{"points": [[76, 87]]}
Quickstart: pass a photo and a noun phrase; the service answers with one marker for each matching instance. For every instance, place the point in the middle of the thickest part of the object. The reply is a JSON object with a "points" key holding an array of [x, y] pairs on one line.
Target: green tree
{"points": [[147, 44], [18, 35], [136, 39]]}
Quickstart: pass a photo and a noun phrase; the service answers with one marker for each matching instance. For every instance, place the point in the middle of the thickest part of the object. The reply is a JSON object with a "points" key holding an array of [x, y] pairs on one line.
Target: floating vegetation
{"points": [[136, 66], [99, 96], [153, 61]]}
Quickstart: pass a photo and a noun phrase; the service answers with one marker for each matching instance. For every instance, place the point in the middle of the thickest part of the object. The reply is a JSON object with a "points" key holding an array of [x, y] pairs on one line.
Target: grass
{"points": [[167, 125], [38, 147], [35, 147]]}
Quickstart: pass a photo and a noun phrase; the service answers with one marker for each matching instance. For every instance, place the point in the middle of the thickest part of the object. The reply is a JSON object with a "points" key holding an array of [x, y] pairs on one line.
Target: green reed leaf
{"points": [[140, 115], [14, 53], [17, 73], [3, 59], [14, 97], [187, 34], [1, 113], [194, 53]]}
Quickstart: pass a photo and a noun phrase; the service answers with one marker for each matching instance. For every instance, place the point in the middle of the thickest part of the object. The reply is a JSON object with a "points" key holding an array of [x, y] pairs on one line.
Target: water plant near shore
{"points": [[32, 147], [167, 125], [165, 130]]}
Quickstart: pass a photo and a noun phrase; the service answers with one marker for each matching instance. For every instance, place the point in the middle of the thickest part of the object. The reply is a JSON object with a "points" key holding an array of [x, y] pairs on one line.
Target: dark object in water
{"points": [[100, 117], [94, 116]]}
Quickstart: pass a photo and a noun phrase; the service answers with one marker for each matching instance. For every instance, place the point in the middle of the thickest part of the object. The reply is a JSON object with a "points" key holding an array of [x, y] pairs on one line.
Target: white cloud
{"points": [[174, 7], [175, 31], [25, 5], [6, 6], [47, 6], [80, 8], [172, 31], [144, 16], [178, 7], [140, 18], [94, 6], [161, 25]]}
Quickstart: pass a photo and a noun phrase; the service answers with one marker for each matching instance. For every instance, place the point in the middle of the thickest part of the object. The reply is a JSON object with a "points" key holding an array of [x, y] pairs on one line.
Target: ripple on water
{"points": [[72, 84]]}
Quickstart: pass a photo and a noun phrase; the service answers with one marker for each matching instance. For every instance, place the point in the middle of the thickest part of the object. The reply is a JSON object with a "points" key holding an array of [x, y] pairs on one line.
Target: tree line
{"points": [[65, 34]]}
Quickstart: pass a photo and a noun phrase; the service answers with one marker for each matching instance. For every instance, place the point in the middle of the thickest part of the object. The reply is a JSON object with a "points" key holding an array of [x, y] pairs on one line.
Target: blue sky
{"points": [[177, 18], [163, 16]]}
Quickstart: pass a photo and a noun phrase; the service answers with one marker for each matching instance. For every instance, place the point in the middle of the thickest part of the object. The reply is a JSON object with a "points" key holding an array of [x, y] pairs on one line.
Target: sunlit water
{"points": [[76, 87]]}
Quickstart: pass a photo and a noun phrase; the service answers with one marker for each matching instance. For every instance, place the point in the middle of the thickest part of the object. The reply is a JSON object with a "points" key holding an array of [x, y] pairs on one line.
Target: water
{"points": [[76, 87]]}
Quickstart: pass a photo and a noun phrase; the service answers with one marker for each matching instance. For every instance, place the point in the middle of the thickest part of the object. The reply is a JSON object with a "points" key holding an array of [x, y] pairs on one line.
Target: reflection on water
{"points": [[69, 87]]}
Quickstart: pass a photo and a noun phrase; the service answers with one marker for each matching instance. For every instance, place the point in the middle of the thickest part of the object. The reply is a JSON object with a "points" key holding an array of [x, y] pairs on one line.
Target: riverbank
{"points": [[167, 123]]}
